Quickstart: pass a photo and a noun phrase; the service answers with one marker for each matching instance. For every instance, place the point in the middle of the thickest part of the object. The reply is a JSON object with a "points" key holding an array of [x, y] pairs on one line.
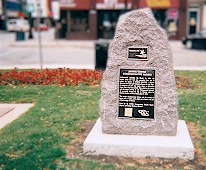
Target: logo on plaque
{"points": [[138, 53], [136, 93]]}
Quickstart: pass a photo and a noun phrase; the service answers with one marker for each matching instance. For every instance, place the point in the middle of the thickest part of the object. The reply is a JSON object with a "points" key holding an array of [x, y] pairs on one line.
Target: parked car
{"points": [[197, 41], [42, 27], [18, 25]]}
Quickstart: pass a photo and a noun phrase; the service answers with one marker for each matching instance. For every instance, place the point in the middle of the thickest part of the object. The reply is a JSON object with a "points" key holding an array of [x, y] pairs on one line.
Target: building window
{"points": [[107, 21], [193, 21], [79, 21]]}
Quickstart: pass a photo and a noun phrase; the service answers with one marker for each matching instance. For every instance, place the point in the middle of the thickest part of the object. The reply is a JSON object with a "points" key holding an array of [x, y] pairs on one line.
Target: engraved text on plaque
{"points": [[136, 93]]}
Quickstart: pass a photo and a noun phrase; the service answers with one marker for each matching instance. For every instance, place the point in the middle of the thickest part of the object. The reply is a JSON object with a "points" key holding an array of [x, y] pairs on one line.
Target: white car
{"points": [[18, 25]]}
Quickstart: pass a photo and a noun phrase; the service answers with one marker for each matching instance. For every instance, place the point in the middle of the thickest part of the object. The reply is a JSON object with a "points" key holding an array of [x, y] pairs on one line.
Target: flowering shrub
{"points": [[60, 76], [63, 77]]}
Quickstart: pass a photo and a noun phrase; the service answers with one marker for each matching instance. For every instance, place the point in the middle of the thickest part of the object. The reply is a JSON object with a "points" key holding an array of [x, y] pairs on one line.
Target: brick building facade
{"points": [[96, 19]]}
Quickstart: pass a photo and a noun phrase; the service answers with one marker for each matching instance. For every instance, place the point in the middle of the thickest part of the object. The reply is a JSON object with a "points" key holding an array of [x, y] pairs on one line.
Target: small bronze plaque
{"points": [[138, 53], [136, 93]]}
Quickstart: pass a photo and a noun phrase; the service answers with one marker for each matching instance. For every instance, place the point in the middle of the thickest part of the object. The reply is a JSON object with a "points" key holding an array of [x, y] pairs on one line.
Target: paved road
{"points": [[75, 54], [62, 53], [187, 59]]}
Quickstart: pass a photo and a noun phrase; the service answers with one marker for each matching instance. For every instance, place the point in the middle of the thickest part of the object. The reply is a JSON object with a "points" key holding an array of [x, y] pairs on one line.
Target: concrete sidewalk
{"points": [[54, 43], [14, 111], [48, 40]]}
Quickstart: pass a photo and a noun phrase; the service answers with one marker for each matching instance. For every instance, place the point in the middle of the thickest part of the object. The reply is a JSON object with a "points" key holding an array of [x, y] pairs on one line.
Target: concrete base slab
{"points": [[18, 110], [179, 146]]}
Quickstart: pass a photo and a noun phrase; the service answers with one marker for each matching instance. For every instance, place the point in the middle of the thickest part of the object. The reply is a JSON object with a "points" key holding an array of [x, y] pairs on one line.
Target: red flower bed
{"points": [[60, 76]]}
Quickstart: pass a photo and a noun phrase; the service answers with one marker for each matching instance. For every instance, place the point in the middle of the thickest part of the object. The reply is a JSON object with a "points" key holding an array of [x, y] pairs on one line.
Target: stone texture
{"points": [[139, 28], [179, 146]]}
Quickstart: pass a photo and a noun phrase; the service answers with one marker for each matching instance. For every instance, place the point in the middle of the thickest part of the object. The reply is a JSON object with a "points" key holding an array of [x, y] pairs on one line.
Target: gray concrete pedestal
{"points": [[179, 146]]}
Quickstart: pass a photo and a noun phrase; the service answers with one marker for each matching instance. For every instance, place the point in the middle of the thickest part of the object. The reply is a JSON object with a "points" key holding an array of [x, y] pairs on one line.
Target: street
{"points": [[187, 59], [75, 54], [60, 53]]}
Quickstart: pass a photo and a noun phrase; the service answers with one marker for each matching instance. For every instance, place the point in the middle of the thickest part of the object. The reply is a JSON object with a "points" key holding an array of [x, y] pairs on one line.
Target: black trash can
{"points": [[101, 54], [20, 36]]}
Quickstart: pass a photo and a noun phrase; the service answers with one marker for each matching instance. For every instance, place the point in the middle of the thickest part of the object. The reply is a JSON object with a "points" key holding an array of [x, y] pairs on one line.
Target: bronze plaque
{"points": [[136, 93]]}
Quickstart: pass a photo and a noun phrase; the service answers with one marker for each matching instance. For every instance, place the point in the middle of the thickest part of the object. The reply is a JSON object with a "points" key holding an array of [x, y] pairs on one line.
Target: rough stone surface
{"points": [[139, 28], [179, 146]]}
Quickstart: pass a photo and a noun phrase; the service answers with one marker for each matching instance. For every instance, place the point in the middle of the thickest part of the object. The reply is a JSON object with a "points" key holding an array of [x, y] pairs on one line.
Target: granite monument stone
{"points": [[138, 95]]}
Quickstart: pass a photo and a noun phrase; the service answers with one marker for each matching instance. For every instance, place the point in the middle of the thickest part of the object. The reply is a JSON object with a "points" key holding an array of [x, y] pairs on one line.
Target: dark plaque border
{"points": [[144, 107], [139, 53]]}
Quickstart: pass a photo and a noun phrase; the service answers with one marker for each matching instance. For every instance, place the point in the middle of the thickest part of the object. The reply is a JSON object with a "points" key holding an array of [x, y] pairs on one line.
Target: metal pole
{"points": [[39, 34]]}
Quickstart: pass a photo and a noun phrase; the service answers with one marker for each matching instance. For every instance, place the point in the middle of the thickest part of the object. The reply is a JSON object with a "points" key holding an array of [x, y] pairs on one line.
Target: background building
{"points": [[78, 19], [96, 19]]}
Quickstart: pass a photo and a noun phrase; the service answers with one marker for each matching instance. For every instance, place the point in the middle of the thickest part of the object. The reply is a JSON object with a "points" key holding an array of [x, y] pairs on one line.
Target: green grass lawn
{"points": [[39, 139]]}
